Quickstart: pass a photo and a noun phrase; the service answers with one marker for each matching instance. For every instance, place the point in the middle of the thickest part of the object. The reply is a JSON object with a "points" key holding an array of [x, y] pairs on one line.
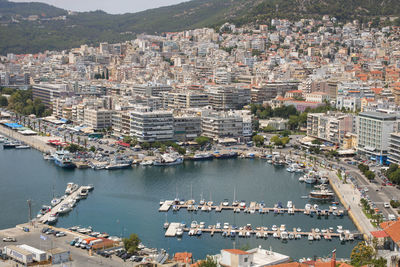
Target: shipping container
{"points": [[38, 255], [19, 254]]}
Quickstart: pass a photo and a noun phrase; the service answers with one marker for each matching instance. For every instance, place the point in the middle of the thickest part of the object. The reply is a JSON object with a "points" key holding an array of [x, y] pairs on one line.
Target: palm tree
{"points": [[34, 125], [65, 138], [72, 137], [45, 129], [79, 140], [39, 125], [85, 142]]}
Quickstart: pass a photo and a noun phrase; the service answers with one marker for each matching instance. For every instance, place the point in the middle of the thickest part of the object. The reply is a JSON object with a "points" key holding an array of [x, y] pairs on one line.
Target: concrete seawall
{"points": [[350, 211], [33, 141]]}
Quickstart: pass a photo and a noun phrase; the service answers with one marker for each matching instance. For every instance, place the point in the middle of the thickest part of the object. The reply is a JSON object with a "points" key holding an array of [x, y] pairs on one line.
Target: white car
{"points": [[60, 234], [386, 205], [9, 239]]}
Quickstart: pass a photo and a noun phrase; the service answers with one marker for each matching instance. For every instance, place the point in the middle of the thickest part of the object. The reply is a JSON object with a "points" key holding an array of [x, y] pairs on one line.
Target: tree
{"points": [[202, 140], [92, 149], [3, 101], [208, 262], [361, 254], [258, 140], [316, 142], [285, 140], [276, 140], [131, 244]]}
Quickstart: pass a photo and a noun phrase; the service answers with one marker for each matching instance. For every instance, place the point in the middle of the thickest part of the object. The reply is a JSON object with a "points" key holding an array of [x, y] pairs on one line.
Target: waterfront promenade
{"points": [[37, 142]]}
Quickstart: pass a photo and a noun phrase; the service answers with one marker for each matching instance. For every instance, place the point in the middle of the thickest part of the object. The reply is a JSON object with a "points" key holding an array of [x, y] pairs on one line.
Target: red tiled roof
{"points": [[392, 229], [379, 234]]}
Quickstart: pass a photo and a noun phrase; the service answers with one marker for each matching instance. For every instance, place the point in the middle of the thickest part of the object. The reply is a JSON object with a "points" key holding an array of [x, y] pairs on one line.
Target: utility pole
{"points": [[30, 210]]}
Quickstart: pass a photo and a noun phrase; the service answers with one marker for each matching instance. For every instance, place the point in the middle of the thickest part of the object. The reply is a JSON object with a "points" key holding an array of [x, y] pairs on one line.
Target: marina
{"points": [[122, 195]]}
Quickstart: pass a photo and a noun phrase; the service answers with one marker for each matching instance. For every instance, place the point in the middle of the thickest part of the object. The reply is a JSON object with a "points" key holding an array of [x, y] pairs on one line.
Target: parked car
{"points": [[386, 205], [9, 239]]}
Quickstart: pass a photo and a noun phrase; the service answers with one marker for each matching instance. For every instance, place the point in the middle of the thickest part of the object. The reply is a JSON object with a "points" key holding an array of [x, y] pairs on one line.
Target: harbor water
{"points": [[127, 201]]}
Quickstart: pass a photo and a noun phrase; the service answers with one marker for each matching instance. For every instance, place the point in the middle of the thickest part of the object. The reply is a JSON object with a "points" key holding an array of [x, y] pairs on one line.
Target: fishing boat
{"points": [[169, 159], [84, 193], [63, 159], [119, 163], [229, 155], [146, 163], [22, 146], [9, 144], [202, 156], [322, 194]]}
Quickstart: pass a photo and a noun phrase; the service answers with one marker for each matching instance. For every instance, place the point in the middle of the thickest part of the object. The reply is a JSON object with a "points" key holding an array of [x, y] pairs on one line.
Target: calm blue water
{"points": [[126, 201]]}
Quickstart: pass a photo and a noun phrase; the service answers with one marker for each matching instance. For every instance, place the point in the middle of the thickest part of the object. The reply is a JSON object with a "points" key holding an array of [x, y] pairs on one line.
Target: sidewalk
{"points": [[37, 142]]}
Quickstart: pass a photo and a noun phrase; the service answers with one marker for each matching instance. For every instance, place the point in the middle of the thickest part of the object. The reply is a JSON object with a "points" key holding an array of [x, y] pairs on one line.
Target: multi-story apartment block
{"points": [[187, 127], [48, 92], [98, 118], [217, 125], [185, 99], [330, 127], [151, 126], [226, 98], [374, 129], [394, 148]]}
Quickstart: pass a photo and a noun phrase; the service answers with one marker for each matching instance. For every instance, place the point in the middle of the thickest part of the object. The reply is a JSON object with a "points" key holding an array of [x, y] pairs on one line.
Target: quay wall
{"points": [[350, 212], [32, 141]]}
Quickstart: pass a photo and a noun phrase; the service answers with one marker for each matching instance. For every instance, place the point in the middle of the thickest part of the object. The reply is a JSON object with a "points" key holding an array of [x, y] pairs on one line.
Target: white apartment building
{"points": [[218, 125], [374, 129], [98, 118], [331, 127], [151, 126], [394, 148], [319, 97]]}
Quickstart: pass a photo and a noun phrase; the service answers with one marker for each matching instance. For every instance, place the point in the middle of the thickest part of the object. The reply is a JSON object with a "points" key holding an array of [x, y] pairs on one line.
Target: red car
{"points": [[389, 184]]}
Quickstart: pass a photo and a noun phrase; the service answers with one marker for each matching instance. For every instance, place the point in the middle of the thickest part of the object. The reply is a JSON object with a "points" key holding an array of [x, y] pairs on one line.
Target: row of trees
{"points": [[259, 140], [393, 173], [366, 171]]}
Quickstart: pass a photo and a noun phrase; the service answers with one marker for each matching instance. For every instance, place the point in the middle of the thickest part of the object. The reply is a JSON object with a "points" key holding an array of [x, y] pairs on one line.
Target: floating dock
{"points": [[56, 208], [261, 232], [253, 208]]}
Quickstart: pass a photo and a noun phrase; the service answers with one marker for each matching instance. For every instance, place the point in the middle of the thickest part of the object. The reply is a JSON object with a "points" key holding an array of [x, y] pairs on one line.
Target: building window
{"points": [[246, 259]]}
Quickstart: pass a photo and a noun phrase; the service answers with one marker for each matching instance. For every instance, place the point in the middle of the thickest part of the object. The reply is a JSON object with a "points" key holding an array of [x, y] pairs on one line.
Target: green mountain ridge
{"points": [[91, 28]]}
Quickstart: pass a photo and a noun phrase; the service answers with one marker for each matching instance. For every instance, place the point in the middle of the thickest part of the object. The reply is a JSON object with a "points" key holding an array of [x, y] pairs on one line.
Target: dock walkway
{"points": [[56, 208]]}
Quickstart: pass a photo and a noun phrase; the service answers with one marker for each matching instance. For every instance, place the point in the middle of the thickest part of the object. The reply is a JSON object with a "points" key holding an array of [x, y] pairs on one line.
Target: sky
{"points": [[109, 6]]}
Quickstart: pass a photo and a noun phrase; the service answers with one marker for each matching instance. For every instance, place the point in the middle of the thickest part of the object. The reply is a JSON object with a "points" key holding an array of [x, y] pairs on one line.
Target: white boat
{"points": [[71, 187], [248, 234], [225, 202], [298, 229], [274, 228], [242, 204], [276, 235], [202, 225], [310, 237], [193, 224], [65, 208], [265, 235], [179, 232], [52, 219], [290, 204], [166, 225], [218, 225], [22, 147], [282, 228], [146, 163], [284, 235], [90, 187], [298, 236], [84, 193], [302, 179], [191, 232], [226, 225], [55, 201], [169, 159], [258, 235]]}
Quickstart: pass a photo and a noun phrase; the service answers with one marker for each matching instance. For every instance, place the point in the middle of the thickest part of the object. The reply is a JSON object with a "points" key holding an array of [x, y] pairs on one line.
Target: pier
{"points": [[56, 208], [253, 208], [261, 232]]}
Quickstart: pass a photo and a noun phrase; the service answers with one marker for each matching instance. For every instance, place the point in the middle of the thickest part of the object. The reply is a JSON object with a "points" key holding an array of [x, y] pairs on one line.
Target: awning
{"points": [[369, 148]]}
